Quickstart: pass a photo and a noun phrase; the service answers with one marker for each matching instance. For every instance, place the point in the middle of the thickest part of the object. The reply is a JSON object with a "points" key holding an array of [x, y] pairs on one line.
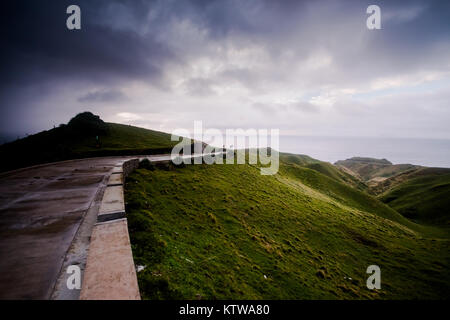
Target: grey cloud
{"points": [[307, 47], [103, 96], [292, 107], [305, 107], [94, 53], [40, 55], [200, 87]]}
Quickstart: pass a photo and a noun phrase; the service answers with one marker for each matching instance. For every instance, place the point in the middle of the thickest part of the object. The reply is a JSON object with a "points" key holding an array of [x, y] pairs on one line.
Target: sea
{"points": [[426, 152]]}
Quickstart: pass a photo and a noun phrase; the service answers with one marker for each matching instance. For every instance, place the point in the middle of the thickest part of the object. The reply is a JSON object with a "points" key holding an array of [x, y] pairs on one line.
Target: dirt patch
{"points": [[363, 239]]}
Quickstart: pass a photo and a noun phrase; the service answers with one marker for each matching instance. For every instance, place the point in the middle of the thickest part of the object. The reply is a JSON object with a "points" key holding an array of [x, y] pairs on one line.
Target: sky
{"points": [[309, 68]]}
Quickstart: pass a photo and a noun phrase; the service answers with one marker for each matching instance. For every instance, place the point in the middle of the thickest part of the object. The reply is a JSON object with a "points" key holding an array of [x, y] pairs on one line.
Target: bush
{"points": [[87, 124], [155, 288], [146, 164]]}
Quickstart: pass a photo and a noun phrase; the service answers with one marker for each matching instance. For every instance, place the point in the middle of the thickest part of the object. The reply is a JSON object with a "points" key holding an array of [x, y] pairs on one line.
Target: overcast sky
{"points": [[305, 67]]}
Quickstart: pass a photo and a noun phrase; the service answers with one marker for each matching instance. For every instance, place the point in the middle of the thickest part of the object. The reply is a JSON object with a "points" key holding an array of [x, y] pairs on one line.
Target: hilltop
{"points": [[372, 170], [85, 135]]}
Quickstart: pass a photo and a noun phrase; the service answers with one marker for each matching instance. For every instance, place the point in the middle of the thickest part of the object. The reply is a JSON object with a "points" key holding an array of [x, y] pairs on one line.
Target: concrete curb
{"points": [[110, 271], [101, 247]]}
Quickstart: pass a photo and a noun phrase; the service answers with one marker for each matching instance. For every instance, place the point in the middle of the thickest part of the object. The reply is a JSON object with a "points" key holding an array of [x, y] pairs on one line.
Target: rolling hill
{"points": [[419, 193], [372, 170], [86, 135], [227, 232]]}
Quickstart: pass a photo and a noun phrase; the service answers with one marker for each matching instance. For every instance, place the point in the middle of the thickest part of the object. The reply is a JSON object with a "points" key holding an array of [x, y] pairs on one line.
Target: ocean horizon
{"points": [[425, 152]]}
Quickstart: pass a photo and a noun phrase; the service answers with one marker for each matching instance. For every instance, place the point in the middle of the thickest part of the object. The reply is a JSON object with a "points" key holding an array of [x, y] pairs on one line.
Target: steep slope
{"points": [[331, 171], [86, 135], [339, 175], [227, 232], [342, 193]]}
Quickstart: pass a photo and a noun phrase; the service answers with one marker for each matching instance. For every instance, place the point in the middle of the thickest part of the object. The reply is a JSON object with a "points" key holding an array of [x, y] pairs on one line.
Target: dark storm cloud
{"points": [[302, 53], [37, 45], [40, 55]]}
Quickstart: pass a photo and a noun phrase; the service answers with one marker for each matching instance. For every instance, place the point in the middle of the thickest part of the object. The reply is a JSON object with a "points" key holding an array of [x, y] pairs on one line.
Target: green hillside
{"points": [[325, 168], [78, 139], [299, 159], [339, 175], [369, 168], [341, 192], [227, 232], [422, 195]]}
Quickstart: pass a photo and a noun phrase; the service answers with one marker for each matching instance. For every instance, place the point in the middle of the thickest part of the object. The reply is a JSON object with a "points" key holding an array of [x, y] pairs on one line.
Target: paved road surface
{"points": [[45, 211], [41, 209]]}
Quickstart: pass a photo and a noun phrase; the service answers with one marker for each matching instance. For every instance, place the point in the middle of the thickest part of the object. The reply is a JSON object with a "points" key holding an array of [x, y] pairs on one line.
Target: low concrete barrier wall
{"points": [[129, 166], [110, 271]]}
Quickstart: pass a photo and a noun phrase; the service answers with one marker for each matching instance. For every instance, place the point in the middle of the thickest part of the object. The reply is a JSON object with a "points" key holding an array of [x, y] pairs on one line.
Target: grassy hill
{"points": [[341, 192], [327, 169], [227, 232], [370, 168], [421, 195], [299, 159], [78, 139]]}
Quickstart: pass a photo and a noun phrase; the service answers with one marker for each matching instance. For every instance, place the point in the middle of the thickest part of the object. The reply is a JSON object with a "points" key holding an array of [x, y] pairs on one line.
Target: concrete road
{"points": [[47, 214], [41, 210]]}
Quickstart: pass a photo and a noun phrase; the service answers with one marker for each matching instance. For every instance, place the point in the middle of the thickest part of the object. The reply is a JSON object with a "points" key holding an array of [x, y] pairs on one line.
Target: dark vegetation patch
{"points": [[364, 239]]}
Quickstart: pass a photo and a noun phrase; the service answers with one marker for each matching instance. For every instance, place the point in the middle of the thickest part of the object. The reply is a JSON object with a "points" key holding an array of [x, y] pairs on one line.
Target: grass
{"points": [[423, 197], [351, 197], [123, 137], [325, 168], [419, 194], [227, 232], [369, 168], [57, 145]]}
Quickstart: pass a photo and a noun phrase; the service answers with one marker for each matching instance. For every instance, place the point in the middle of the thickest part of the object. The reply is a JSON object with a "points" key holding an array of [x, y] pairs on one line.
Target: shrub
{"points": [[87, 124], [146, 164]]}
